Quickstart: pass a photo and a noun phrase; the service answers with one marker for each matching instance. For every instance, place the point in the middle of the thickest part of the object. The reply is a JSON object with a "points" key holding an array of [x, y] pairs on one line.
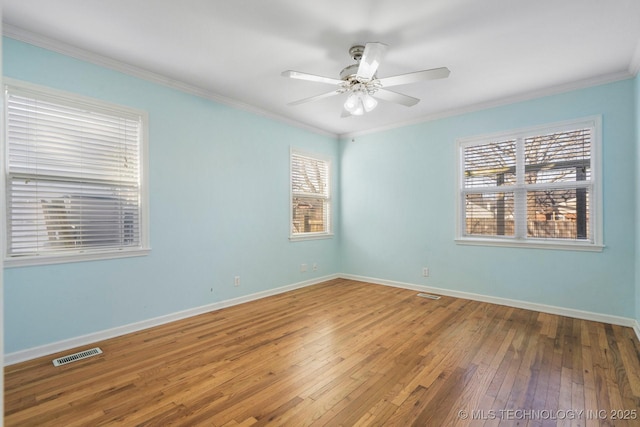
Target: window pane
{"points": [[490, 165], [558, 214], [52, 139], [558, 157], [62, 216], [310, 176], [309, 215], [489, 214]]}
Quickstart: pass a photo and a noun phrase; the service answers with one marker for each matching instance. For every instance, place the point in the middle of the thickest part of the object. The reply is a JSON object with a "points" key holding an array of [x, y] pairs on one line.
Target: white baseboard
{"points": [[561, 311], [35, 352]]}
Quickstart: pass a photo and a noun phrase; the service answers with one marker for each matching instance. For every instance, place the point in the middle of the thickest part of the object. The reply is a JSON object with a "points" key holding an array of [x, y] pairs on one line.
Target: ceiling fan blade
{"points": [[315, 98], [371, 58], [311, 77], [418, 76], [396, 97]]}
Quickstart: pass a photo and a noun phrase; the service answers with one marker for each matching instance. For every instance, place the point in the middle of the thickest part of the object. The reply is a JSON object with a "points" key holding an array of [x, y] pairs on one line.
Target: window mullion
{"points": [[520, 196], [559, 185]]}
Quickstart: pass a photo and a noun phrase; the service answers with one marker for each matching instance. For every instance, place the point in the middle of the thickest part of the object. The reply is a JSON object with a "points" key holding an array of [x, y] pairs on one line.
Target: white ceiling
{"points": [[235, 50]]}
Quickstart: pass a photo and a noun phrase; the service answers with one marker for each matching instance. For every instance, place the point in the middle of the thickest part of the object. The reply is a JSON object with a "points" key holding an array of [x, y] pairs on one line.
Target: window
{"points": [[310, 196], [74, 176], [537, 187]]}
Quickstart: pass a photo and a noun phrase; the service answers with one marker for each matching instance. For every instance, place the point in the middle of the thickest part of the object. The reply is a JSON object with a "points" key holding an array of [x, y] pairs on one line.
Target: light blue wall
{"points": [[398, 209], [223, 174], [219, 207]]}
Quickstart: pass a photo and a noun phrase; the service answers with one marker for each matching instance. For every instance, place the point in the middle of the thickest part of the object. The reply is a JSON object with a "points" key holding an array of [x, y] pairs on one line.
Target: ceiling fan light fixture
{"points": [[360, 101]]}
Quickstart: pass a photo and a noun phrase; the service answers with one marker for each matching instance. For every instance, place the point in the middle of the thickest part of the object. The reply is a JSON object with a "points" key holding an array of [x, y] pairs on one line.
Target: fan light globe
{"points": [[358, 111], [360, 101], [351, 104], [369, 102]]}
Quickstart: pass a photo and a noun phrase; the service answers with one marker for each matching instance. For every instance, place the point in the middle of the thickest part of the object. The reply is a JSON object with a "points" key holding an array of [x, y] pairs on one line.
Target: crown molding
{"points": [[38, 40], [66, 49], [525, 96]]}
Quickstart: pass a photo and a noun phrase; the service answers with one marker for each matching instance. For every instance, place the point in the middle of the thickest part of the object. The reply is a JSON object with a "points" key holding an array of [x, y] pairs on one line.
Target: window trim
{"points": [[81, 254], [595, 243], [310, 235]]}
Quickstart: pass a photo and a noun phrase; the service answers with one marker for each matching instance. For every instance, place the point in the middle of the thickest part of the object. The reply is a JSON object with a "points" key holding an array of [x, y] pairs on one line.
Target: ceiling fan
{"points": [[359, 80]]}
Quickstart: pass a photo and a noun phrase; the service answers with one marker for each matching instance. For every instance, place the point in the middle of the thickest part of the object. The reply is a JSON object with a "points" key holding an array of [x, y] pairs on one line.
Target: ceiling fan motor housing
{"points": [[350, 72]]}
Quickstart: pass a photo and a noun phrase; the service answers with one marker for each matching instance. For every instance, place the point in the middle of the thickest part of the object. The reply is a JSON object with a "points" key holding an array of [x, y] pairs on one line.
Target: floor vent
{"points": [[77, 356], [422, 295]]}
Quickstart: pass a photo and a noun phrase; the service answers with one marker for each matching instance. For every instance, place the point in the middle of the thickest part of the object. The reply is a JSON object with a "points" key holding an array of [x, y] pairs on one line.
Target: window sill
{"points": [[532, 244], [310, 236], [73, 257]]}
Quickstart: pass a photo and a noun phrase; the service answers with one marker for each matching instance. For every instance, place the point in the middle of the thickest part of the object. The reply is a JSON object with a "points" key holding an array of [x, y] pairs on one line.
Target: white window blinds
{"points": [[73, 175], [310, 195], [531, 186]]}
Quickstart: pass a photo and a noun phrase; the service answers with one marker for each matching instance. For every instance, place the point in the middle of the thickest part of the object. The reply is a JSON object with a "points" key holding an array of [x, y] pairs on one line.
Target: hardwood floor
{"points": [[344, 353]]}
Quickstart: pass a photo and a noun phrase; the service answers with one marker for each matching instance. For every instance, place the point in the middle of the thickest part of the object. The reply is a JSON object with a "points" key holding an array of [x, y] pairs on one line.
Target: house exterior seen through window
{"points": [[537, 187]]}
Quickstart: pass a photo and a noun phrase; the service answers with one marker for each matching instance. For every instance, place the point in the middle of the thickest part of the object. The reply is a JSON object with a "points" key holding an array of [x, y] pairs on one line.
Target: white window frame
{"points": [[595, 208], [82, 254], [328, 231]]}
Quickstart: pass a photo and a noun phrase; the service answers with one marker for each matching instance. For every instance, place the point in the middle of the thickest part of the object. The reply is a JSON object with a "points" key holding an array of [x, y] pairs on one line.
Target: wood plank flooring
{"points": [[344, 353]]}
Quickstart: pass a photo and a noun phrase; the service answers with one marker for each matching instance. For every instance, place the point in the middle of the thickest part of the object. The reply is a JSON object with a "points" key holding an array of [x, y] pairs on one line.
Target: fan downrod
{"points": [[356, 52]]}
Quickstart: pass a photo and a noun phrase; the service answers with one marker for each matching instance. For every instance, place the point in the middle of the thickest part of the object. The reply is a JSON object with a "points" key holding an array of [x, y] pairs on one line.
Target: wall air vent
{"points": [[423, 295], [77, 356]]}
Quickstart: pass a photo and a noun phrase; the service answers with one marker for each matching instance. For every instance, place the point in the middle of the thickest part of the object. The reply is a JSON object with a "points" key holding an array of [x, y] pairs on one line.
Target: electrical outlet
{"points": [[303, 268], [236, 281], [425, 272]]}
